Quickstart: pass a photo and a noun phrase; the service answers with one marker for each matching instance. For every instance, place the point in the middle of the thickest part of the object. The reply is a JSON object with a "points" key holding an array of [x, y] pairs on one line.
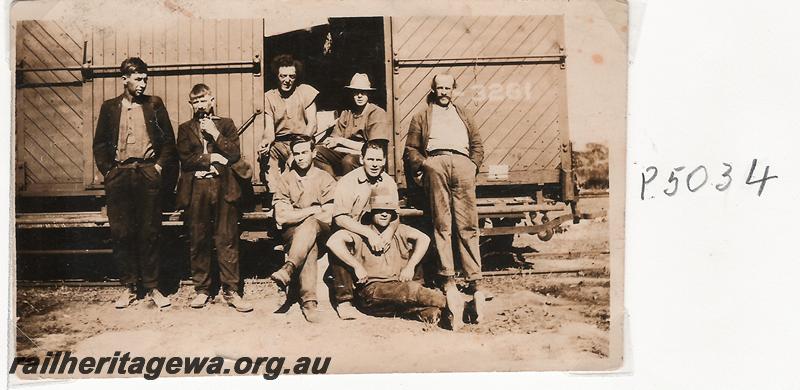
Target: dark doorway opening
{"points": [[331, 54]]}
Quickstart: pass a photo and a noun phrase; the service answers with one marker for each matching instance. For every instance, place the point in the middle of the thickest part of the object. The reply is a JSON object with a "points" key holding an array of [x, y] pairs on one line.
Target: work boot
{"points": [[346, 311], [157, 298], [126, 298], [235, 300], [455, 305], [283, 276], [199, 301], [311, 312]]}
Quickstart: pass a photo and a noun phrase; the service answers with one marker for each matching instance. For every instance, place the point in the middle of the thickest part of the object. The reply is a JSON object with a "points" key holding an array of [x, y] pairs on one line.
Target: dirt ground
{"points": [[555, 321]]}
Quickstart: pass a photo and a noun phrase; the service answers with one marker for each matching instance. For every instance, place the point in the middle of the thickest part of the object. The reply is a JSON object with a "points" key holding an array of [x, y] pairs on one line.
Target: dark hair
{"points": [[286, 60], [132, 65], [380, 144], [199, 90], [300, 139]]}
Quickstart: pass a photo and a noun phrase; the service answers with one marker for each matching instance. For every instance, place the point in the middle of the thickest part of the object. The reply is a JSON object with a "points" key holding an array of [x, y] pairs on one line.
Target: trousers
{"points": [[134, 215], [335, 163], [213, 220], [395, 298], [450, 183], [303, 243], [278, 156]]}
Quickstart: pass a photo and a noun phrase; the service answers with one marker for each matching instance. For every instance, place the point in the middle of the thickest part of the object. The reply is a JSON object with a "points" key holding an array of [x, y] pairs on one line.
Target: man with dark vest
{"points": [[289, 110], [208, 189], [133, 143]]}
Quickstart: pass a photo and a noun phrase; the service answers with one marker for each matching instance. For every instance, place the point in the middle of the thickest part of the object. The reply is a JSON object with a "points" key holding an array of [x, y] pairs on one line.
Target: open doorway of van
{"points": [[331, 53]]}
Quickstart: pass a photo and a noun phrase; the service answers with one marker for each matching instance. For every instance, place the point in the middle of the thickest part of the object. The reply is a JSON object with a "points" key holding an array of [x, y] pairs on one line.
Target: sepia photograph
{"points": [[265, 188]]}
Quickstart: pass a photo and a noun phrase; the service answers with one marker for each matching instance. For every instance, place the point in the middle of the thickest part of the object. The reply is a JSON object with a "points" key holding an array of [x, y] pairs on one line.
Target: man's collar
{"points": [[133, 102], [369, 107], [298, 176], [363, 177]]}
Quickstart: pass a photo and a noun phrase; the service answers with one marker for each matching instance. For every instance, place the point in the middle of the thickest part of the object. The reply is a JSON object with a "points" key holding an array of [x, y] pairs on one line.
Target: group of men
{"points": [[374, 259]]}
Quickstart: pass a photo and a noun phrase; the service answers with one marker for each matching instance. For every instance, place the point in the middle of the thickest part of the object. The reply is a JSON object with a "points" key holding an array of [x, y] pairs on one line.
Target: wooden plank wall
{"points": [[49, 132], [183, 40], [516, 107]]}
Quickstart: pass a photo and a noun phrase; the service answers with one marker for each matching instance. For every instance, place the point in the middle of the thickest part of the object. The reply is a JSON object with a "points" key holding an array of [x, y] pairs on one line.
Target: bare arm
{"points": [[337, 244], [348, 223], [311, 118], [421, 244], [349, 146], [269, 134], [285, 214]]}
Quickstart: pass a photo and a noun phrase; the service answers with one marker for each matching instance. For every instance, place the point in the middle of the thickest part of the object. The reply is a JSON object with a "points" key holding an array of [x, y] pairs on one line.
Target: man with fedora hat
{"points": [[208, 147], [339, 153], [384, 279]]}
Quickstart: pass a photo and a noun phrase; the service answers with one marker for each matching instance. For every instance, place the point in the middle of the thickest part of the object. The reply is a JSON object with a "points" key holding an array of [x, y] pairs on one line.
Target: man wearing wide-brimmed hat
{"points": [[364, 121], [385, 285]]}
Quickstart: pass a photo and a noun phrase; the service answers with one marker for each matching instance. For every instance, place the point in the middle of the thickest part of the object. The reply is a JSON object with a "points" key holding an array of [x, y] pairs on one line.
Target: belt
{"points": [[445, 152], [133, 163], [285, 137]]}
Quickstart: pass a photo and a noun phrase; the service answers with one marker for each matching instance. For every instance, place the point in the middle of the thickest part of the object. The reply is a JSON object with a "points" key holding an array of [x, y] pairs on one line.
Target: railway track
{"points": [[530, 269]]}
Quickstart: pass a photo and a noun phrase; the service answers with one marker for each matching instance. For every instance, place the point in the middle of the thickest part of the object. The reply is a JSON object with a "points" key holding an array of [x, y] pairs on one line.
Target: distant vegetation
{"points": [[591, 166]]}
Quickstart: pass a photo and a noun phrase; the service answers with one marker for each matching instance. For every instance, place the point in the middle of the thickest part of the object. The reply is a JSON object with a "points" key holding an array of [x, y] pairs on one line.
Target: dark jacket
{"points": [[190, 151], [159, 129], [419, 133]]}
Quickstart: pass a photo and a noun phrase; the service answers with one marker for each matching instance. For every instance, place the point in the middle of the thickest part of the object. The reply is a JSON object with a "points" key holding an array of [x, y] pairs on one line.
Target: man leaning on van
{"points": [[133, 143]]}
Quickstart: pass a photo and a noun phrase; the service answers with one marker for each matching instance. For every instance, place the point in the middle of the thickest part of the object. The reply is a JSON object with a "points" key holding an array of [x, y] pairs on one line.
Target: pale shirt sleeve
{"points": [[343, 199], [281, 196], [328, 188], [308, 94]]}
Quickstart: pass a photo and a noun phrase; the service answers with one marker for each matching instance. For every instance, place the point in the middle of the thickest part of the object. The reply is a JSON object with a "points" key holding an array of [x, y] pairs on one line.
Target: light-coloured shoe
{"points": [[160, 300], [125, 299], [199, 301], [480, 306], [455, 307], [311, 312], [235, 300], [346, 311]]}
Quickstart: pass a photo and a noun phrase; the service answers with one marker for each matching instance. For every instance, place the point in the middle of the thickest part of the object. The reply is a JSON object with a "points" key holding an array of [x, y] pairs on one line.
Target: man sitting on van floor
{"points": [[303, 202], [290, 110], [207, 146], [384, 278], [340, 152]]}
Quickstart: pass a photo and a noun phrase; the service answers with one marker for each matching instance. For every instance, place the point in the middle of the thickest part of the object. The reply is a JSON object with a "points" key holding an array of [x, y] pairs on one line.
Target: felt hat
{"points": [[360, 81]]}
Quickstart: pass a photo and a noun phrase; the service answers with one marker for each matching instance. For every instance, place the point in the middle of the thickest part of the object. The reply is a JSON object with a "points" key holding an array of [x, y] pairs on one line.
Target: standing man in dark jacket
{"points": [[208, 146], [444, 152], [133, 143]]}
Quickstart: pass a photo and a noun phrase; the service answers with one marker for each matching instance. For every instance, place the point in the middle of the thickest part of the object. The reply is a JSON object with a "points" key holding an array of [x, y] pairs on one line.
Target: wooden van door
{"points": [[510, 74]]}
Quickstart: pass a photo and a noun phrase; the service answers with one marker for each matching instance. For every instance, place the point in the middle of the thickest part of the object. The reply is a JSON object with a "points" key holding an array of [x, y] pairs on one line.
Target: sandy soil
{"points": [[536, 322]]}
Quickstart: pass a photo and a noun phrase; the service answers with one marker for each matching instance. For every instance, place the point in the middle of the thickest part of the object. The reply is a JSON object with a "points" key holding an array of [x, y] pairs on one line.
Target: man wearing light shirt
{"points": [[444, 151]]}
